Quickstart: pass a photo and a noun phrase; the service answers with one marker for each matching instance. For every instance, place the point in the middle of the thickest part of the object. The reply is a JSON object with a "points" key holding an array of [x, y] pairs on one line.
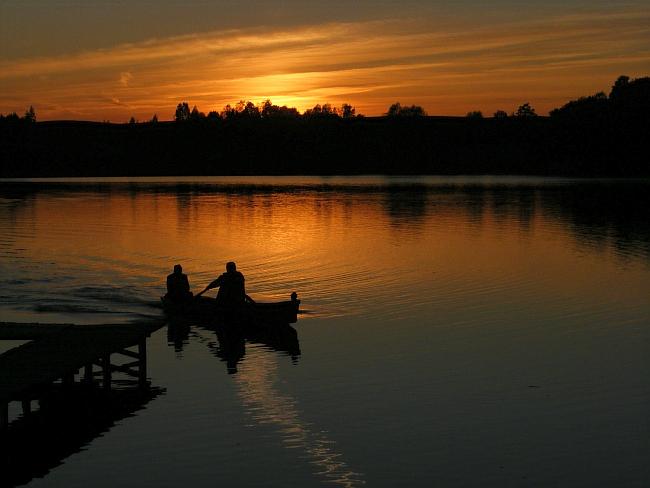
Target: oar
{"points": [[202, 292]]}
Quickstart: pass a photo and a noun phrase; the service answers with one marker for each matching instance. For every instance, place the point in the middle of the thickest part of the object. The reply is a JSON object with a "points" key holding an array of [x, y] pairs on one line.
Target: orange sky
{"points": [[449, 68]]}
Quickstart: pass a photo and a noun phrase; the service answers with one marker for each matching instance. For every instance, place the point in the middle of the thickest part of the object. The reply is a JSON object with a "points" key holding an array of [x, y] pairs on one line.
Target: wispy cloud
{"points": [[125, 77], [370, 64]]}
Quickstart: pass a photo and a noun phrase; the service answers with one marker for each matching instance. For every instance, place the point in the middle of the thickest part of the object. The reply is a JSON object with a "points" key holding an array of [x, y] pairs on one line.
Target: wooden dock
{"points": [[59, 351]]}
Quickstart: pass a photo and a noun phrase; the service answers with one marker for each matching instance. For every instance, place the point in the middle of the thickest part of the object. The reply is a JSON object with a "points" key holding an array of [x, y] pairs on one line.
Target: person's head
{"points": [[231, 266], [178, 269]]}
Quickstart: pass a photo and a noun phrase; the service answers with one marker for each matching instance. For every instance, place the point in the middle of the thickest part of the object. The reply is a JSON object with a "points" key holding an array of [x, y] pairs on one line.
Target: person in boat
{"points": [[232, 290], [178, 286]]}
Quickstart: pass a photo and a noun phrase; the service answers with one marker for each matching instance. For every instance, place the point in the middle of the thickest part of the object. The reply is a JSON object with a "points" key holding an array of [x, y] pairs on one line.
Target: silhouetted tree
{"points": [[213, 115], [500, 114], [287, 112], [397, 110], [132, 120], [413, 111], [621, 83], [329, 110], [240, 106], [325, 110], [267, 109], [631, 98], [313, 112], [250, 110], [182, 112], [242, 109], [584, 107], [30, 115], [394, 110], [196, 115], [228, 112], [347, 111], [525, 110], [475, 114], [154, 119]]}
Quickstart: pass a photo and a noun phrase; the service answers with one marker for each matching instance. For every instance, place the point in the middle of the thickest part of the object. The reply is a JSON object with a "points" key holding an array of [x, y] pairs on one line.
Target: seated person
{"points": [[178, 286], [231, 286]]}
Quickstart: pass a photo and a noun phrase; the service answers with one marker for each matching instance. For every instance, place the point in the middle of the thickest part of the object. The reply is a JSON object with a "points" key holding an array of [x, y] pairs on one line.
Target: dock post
{"points": [[27, 406], [106, 369], [4, 415], [88, 373], [142, 365]]}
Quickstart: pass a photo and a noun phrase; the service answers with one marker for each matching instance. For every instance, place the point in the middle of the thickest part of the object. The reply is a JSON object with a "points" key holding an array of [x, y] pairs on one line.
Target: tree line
{"points": [[626, 95], [245, 109], [14, 118], [597, 135]]}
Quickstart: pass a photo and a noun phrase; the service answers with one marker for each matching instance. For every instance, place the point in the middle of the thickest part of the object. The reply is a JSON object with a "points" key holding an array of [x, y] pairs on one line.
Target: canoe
{"points": [[205, 310]]}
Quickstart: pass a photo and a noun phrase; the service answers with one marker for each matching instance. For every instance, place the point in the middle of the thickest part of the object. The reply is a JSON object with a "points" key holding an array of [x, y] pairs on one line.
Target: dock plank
{"points": [[57, 353], [28, 331]]}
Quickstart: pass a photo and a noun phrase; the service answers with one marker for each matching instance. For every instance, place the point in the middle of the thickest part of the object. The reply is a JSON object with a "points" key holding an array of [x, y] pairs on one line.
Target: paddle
{"points": [[246, 297], [202, 292]]}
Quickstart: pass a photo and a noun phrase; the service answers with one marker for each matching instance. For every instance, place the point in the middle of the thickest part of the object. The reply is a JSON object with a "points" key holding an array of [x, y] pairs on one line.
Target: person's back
{"points": [[232, 290], [178, 286]]}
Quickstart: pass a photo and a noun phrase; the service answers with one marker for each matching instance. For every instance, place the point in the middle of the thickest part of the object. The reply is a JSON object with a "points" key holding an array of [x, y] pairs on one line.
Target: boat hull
{"points": [[205, 310]]}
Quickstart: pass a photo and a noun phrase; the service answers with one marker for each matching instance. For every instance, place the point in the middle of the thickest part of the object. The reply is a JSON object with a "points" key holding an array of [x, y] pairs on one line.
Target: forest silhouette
{"points": [[598, 135]]}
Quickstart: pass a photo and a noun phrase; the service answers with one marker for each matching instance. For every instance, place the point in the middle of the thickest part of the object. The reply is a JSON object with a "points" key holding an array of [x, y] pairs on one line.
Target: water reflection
{"points": [[252, 358], [333, 241], [230, 345], [605, 216], [268, 406], [178, 334], [406, 205], [475, 284], [611, 211], [230, 348], [67, 420]]}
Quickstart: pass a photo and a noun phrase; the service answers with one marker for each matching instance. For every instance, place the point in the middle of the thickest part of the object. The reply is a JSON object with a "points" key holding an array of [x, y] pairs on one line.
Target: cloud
{"points": [[125, 77], [117, 101], [370, 64]]}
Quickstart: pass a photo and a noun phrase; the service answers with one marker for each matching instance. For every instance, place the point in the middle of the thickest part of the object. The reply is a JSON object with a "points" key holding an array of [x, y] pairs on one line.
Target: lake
{"points": [[457, 331]]}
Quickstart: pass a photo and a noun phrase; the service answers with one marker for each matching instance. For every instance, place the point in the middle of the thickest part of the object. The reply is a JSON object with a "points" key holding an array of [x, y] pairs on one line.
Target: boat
{"points": [[206, 310]]}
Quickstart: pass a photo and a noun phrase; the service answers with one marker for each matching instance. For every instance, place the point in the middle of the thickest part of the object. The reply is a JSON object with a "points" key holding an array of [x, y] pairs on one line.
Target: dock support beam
{"points": [[106, 369], [88, 373], [27, 407], [4, 415], [68, 379], [142, 365]]}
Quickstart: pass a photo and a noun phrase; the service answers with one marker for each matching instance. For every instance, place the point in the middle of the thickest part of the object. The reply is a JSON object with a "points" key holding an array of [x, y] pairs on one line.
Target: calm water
{"points": [[458, 331]]}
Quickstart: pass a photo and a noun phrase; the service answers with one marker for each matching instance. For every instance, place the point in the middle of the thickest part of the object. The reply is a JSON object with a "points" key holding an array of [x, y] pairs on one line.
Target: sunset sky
{"points": [[101, 60]]}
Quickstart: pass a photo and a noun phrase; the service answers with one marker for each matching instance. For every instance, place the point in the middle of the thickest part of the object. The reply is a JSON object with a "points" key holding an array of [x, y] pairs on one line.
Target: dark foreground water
{"points": [[459, 331]]}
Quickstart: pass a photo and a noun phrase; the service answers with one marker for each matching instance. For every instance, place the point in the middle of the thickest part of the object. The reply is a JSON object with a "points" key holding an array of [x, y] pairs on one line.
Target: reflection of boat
{"points": [[231, 345], [232, 335], [206, 310], [254, 322]]}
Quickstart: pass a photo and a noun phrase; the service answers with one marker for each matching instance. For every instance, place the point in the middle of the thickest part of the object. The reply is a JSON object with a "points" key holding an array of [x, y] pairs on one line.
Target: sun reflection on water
{"points": [[268, 406]]}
